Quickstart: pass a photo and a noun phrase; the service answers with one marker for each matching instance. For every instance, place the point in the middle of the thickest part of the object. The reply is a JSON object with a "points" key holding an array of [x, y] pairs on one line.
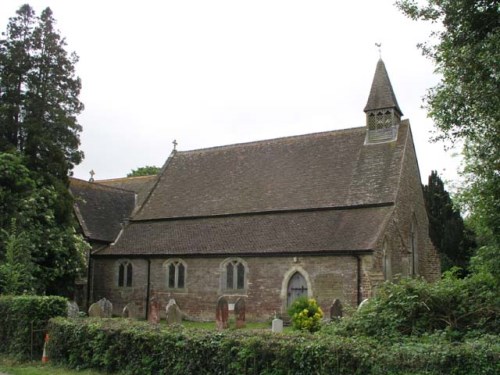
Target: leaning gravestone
{"points": [[130, 311], [154, 310], [95, 311], [73, 310], [222, 314], [106, 306], [239, 311], [336, 309], [174, 313]]}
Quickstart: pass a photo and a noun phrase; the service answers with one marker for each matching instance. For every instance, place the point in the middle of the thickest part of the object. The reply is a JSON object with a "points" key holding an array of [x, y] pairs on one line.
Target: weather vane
{"points": [[379, 46], [175, 144]]}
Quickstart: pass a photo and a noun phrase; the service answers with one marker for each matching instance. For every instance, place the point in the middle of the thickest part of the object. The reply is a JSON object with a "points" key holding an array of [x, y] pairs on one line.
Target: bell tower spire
{"points": [[383, 114]]}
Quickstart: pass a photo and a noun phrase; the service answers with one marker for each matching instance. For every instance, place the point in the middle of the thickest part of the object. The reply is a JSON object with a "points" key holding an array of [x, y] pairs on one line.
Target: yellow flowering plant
{"points": [[306, 314]]}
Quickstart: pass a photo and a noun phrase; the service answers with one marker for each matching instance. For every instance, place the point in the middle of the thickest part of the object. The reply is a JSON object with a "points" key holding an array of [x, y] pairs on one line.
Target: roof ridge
{"points": [[125, 178], [274, 140], [98, 185]]}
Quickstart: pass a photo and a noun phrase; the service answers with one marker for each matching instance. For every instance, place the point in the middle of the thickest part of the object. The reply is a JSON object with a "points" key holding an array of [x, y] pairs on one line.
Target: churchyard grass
{"points": [[14, 367]]}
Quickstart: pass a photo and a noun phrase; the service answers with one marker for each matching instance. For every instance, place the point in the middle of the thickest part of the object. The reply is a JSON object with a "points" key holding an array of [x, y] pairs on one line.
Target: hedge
{"points": [[17, 317], [131, 347]]}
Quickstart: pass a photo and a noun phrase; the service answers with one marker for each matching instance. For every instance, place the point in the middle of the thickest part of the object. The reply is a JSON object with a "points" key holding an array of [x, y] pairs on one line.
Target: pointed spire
{"points": [[381, 94]]}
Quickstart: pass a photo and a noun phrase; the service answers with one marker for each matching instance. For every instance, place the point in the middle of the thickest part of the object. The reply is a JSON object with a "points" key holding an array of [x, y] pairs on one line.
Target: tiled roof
{"points": [[141, 185], [323, 231], [330, 169], [381, 94], [101, 209]]}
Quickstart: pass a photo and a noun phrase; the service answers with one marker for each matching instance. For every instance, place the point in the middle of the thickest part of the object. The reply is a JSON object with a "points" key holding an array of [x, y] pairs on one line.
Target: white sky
{"points": [[214, 72]]}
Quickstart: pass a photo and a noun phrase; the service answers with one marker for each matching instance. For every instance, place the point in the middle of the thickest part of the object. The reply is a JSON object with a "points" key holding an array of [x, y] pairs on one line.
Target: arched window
{"points": [[234, 275], [175, 273], [125, 272]]}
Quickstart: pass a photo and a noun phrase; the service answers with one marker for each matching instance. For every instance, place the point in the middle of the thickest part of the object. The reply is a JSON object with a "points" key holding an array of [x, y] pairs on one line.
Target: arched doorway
{"points": [[297, 287]]}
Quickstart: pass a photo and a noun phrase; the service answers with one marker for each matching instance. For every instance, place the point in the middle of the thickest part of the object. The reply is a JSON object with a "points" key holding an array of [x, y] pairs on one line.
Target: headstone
{"points": [[277, 325], [106, 306], [174, 313], [336, 309], [221, 314], [239, 312], [130, 311], [362, 304], [73, 310], [154, 310], [95, 311]]}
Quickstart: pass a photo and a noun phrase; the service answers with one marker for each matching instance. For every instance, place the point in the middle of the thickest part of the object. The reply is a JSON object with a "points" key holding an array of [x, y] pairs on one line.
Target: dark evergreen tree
{"points": [[39, 140], [454, 242], [39, 95]]}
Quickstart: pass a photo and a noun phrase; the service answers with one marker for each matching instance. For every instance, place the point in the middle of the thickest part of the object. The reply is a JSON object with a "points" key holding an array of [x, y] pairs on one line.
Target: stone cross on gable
{"points": [[92, 173], [175, 144]]}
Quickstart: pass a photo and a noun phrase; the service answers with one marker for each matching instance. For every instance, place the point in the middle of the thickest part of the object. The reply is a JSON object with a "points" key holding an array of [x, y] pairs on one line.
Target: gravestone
{"points": [[336, 309], [106, 306], [239, 312], [277, 325], [362, 304], [130, 311], [154, 310], [174, 313], [73, 309], [95, 311], [221, 314]]}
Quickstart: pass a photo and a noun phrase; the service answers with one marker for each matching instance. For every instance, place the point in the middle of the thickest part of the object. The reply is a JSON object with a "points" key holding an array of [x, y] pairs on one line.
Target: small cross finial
{"points": [[175, 144], [379, 46], [92, 173]]}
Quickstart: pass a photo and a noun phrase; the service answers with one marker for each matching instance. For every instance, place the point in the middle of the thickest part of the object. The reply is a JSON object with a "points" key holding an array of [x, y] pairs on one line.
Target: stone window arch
{"points": [[234, 275], [175, 273], [124, 273]]}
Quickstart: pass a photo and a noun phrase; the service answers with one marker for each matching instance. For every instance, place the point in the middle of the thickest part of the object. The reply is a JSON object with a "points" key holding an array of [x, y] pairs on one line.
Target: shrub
{"points": [[18, 315], [130, 347], [456, 306], [306, 314]]}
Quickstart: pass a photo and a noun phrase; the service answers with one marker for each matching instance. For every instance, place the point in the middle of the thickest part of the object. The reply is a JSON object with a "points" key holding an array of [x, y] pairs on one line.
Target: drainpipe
{"points": [[148, 287], [89, 280], [358, 258]]}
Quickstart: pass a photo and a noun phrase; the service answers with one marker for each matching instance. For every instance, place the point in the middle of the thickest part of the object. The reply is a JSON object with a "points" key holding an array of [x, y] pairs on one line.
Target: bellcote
{"points": [[383, 114]]}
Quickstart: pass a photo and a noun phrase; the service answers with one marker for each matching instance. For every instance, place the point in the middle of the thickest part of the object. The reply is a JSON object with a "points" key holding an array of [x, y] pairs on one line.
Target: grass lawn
{"points": [[13, 367]]}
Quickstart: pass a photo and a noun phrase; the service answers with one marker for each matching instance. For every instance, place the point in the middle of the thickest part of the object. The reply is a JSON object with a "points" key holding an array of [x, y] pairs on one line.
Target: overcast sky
{"points": [[213, 72]]}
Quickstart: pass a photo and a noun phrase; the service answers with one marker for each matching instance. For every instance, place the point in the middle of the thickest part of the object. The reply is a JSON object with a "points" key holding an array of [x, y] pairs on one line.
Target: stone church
{"points": [[327, 215]]}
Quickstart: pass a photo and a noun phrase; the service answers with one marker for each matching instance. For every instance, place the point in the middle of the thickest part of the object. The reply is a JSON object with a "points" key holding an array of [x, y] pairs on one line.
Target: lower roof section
{"points": [[320, 231]]}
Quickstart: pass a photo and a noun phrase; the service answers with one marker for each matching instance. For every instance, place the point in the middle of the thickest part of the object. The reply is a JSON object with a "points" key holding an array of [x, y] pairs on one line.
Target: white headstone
{"points": [[277, 325], [362, 304]]}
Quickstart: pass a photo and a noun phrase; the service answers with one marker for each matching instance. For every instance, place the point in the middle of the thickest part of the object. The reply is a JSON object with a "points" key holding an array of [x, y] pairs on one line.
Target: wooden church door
{"points": [[297, 287]]}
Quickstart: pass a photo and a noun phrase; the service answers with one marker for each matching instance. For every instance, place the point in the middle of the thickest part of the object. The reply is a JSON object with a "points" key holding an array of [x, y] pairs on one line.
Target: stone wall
{"points": [[328, 277]]}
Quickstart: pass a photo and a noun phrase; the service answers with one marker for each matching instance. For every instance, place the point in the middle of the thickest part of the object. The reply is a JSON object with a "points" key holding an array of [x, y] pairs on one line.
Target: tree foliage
{"points": [[148, 170], [39, 95], [465, 105], [38, 253], [454, 242]]}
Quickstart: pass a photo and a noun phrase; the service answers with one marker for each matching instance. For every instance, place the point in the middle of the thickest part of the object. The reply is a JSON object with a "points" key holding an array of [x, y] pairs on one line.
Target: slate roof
{"points": [[101, 209], [141, 185], [321, 193], [381, 93], [330, 169], [323, 231]]}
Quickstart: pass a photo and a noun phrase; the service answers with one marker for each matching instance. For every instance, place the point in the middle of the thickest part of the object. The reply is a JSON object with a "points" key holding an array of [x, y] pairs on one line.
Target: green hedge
{"points": [[17, 317], [137, 348]]}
